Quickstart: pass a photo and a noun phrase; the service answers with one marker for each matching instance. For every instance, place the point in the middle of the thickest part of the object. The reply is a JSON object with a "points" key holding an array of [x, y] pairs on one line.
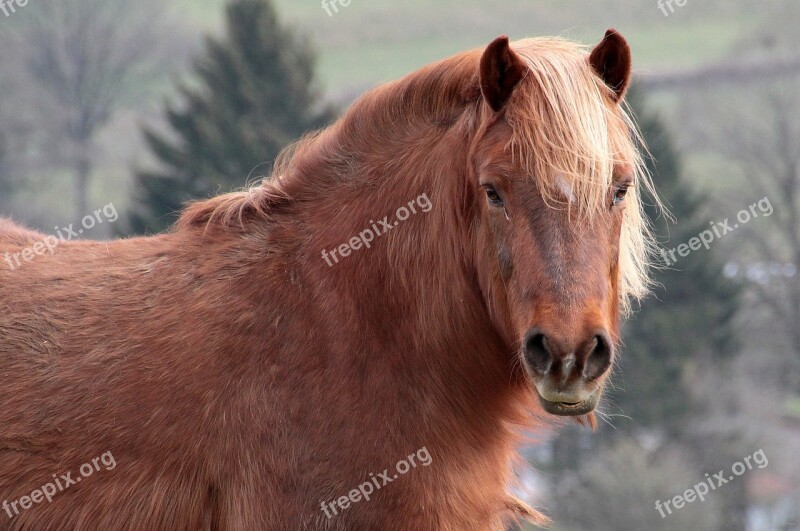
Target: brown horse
{"points": [[356, 343]]}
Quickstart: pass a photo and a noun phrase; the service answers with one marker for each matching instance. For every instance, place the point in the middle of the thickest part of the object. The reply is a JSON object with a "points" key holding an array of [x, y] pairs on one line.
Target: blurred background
{"points": [[145, 106]]}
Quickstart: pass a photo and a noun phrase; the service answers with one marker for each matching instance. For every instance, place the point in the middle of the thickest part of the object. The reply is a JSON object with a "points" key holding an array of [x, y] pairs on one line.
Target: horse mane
{"points": [[232, 210], [564, 129]]}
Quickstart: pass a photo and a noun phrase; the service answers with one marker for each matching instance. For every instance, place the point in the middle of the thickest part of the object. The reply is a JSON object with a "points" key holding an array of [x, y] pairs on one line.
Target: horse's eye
{"points": [[493, 197], [619, 196]]}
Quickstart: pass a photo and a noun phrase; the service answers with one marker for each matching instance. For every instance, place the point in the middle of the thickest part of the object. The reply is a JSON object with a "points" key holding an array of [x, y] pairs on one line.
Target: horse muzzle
{"points": [[568, 377]]}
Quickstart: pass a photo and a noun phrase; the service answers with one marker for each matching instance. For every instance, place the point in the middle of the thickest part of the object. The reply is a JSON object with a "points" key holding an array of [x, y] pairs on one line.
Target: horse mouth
{"points": [[571, 409]]}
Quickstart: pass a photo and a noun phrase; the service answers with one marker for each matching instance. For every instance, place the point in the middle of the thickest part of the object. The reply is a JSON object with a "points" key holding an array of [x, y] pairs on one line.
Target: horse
{"points": [[360, 341]]}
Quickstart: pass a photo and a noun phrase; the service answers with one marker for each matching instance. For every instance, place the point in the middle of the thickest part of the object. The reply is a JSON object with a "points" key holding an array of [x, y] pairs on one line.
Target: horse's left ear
{"points": [[501, 69], [611, 59]]}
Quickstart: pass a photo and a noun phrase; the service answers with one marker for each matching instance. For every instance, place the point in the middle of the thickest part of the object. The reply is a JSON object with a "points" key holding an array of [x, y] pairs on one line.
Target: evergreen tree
{"points": [[256, 94], [689, 318], [682, 335], [686, 324]]}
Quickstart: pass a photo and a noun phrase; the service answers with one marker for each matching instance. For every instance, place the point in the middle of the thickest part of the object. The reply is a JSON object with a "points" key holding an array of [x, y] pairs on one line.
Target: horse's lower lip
{"points": [[570, 409]]}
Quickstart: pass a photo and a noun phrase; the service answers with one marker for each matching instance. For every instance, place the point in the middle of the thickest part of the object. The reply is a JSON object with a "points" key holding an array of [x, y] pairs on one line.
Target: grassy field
{"points": [[369, 42]]}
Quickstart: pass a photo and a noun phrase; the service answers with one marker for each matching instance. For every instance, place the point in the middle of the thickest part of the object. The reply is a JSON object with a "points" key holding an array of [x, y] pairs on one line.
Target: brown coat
{"points": [[240, 381]]}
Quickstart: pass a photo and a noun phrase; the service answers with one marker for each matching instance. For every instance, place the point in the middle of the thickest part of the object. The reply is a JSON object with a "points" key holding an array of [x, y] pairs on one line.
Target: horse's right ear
{"points": [[611, 60], [501, 69]]}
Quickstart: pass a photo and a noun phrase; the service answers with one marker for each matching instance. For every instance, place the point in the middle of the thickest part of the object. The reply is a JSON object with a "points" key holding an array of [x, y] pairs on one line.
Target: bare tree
{"points": [[763, 143], [86, 59]]}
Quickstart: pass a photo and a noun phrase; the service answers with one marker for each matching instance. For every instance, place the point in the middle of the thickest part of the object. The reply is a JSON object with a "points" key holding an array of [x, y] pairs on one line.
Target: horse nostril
{"points": [[537, 355], [599, 358]]}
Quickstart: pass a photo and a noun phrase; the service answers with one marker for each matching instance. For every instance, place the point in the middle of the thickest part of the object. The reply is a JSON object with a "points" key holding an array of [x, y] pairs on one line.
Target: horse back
{"points": [[12, 234]]}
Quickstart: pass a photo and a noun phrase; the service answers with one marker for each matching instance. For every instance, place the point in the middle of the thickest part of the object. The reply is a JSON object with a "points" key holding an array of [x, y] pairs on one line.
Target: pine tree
{"points": [[687, 323], [678, 337], [256, 94], [688, 319]]}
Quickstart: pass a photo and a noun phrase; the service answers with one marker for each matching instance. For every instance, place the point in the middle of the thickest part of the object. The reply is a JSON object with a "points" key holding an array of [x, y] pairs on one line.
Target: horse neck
{"points": [[410, 302]]}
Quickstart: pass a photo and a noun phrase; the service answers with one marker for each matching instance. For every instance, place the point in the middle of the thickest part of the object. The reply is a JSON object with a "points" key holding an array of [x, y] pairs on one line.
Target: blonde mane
{"points": [[565, 129]]}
